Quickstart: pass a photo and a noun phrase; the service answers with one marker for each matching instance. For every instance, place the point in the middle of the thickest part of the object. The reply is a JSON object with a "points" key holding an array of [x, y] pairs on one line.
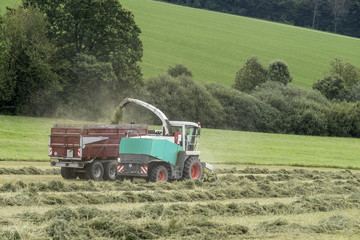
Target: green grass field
{"points": [[8, 3], [24, 138], [214, 45]]}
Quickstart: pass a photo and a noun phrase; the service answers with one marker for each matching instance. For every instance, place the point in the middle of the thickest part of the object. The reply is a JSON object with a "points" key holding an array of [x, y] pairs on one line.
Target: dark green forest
{"points": [[338, 16]]}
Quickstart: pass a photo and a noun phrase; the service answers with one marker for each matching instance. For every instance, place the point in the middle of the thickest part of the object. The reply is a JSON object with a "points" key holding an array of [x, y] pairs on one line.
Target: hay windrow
{"points": [[154, 222], [28, 171], [184, 209], [227, 187]]}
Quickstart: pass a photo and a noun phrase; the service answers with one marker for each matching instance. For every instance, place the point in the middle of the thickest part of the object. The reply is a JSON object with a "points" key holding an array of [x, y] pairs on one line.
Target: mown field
{"points": [[215, 45], [245, 202], [26, 138]]}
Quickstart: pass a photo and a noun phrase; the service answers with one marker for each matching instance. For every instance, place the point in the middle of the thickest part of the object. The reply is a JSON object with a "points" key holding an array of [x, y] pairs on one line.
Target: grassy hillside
{"points": [[215, 45], [8, 3], [23, 138]]}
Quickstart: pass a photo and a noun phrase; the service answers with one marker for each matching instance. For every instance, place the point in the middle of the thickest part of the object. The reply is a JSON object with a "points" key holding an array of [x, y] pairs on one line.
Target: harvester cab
{"points": [[186, 134], [173, 155]]}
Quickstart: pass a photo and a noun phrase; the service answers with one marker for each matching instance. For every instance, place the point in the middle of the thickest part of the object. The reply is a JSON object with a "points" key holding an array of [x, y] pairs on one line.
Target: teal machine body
{"points": [[161, 149], [140, 155]]}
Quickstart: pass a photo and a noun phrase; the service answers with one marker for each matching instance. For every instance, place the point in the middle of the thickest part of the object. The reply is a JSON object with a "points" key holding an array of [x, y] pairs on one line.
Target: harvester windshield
{"points": [[192, 137], [190, 134]]}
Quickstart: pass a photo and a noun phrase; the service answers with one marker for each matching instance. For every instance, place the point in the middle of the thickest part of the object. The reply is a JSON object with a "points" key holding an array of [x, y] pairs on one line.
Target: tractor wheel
{"points": [[110, 171], [159, 173], [68, 173], [193, 169], [95, 171]]}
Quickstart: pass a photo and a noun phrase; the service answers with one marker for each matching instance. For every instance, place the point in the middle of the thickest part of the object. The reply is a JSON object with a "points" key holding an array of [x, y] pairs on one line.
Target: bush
{"points": [[342, 83], [353, 95], [250, 75], [243, 111], [344, 120], [300, 111], [331, 86], [178, 70], [347, 71], [278, 71], [182, 98]]}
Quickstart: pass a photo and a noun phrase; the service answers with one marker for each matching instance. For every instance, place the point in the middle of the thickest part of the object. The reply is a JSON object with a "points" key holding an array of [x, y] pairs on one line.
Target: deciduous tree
{"points": [[101, 28], [29, 79], [250, 75], [340, 8], [278, 71]]}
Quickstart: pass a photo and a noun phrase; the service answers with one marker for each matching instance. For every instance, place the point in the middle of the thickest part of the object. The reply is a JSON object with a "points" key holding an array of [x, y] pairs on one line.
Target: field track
{"points": [[245, 202]]}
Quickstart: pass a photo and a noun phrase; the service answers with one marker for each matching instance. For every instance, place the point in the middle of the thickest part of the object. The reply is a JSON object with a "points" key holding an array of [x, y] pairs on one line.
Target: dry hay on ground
{"points": [[186, 209]]}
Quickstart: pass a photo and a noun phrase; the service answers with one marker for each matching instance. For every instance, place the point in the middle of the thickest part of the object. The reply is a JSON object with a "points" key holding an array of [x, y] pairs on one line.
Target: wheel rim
{"points": [[112, 171], [195, 171], [161, 176], [97, 172]]}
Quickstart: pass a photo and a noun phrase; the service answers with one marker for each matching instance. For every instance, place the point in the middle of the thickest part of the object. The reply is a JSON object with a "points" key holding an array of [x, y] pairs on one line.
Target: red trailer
{"points": [[89, 151]]}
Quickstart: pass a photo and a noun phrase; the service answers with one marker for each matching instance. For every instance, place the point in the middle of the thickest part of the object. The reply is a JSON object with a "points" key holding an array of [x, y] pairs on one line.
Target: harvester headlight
{"points": [[119, 160]]}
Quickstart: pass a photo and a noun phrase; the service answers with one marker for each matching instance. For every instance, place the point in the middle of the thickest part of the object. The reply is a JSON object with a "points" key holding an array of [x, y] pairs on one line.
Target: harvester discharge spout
{"points": [[165, 121]]}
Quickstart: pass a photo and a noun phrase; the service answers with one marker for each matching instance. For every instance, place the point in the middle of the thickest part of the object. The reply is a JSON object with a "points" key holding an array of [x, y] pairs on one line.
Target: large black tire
{"points": [[110, 171], [68, 173], [193, 169], [95, 171], [159, 173]]}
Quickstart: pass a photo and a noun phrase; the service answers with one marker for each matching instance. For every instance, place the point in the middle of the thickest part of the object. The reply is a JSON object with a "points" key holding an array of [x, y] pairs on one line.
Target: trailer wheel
{"points": [[193, 169], [110, 171], [68, 173], [95, 171], [159, 173]]}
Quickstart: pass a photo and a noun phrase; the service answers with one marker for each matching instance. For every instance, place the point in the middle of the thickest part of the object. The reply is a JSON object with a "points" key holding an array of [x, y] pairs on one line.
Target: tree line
{"points": [[338, 16], [260, 100]]}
